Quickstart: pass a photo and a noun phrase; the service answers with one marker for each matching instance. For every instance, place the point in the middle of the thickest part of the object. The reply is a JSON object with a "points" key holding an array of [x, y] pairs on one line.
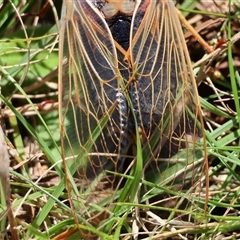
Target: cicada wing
{"points": [[93, 109], [166, 99], [109, 91]]}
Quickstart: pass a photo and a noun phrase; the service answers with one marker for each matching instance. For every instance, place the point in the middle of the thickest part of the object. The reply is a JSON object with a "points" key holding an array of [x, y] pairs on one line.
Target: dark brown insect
{"points": [[129, 110]]}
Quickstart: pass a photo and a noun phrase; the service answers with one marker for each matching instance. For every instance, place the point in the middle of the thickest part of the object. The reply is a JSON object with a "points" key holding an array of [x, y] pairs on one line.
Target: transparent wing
{"points": [[93, 109], [166, 104], [127, 94]]}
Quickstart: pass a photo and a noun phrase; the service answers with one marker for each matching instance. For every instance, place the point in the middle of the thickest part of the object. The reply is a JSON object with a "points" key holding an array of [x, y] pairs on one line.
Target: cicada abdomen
{"points": [[129, 108]]}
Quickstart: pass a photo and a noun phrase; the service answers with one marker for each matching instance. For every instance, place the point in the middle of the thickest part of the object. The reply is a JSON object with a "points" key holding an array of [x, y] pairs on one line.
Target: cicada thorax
{"points": [[119, 17]]}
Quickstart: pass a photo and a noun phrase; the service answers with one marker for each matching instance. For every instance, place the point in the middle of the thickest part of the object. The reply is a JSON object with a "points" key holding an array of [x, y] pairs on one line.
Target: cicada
{"points": [[130, 117]]}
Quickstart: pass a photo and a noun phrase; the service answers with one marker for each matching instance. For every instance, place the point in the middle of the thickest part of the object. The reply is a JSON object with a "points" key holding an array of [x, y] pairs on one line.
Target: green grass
{"points": [[28, 63]]}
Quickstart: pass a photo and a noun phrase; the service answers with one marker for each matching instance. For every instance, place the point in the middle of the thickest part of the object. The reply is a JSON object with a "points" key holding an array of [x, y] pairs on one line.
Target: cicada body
{"points": [[129, 111]]}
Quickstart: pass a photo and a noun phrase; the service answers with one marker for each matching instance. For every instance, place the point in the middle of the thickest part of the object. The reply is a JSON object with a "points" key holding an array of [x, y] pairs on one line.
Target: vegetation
{"points": [[29, 38]]}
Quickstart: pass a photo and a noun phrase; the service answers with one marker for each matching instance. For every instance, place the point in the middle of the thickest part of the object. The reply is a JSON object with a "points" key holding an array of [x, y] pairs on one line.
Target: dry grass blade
{"points": [[4, 170], [5, 182]]}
